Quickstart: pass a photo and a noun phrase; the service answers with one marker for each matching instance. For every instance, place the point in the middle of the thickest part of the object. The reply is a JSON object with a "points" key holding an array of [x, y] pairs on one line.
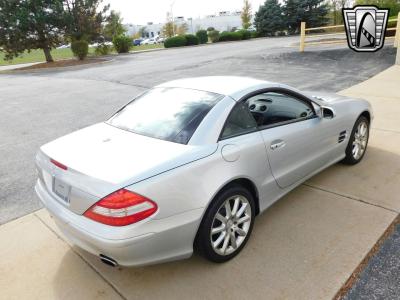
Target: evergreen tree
{"points": [[31, 24], [85, 19], [114, 26], [313, 12], [269, 18]]}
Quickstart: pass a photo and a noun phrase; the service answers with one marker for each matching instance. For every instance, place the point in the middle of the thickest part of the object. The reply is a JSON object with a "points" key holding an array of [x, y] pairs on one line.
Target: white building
{"points": [[223, 21], [150, 29]]}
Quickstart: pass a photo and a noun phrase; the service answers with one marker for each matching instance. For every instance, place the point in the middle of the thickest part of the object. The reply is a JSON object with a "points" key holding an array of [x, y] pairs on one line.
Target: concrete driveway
{"points": [[304, 247]]}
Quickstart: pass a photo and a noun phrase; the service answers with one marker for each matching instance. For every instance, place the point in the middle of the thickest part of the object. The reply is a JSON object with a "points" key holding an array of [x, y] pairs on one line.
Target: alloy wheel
{"points": [[230, 225], [360, 140]]}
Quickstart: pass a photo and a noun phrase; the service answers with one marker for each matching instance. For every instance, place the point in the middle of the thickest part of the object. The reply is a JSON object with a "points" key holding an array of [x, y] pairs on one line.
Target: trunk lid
{"points": [[102, 158]]}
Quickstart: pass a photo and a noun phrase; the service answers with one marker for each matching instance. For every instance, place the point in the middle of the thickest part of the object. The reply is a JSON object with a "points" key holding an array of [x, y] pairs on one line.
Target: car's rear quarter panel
{"points": [[194, 185]]}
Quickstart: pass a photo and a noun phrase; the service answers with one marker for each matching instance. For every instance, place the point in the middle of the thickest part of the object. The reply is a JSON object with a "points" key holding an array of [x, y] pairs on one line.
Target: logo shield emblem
{"points": [[365, 27]]}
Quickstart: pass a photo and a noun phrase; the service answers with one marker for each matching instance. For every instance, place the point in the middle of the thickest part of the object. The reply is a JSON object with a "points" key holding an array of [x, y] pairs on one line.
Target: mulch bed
{"points": [[63, 63]]}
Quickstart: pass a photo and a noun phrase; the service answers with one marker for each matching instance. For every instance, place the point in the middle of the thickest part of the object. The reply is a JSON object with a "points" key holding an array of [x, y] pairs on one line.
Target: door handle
{"points": [[277, 144]]}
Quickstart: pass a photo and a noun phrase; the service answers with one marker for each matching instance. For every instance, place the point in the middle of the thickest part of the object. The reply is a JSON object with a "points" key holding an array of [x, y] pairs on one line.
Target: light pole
{"points": [[172, 16]]}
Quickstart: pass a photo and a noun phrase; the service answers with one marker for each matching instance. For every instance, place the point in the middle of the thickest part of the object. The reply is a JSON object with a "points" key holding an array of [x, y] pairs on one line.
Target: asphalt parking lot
{"points": [[307, 238], [38, 107]]}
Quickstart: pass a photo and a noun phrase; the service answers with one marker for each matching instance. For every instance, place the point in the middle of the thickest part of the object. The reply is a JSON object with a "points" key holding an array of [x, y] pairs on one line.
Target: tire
{"points": [[228, 232], [357, 140]]}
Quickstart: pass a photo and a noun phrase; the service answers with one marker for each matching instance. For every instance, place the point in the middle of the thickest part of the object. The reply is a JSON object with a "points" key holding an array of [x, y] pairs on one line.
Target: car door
{"points": [[243, 148], [296, 143]]}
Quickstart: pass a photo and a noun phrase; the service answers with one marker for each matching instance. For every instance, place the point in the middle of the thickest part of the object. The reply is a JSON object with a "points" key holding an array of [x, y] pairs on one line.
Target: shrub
{"points": [[122, 43], [191, 40], [202, 36], [210, 29], [246, 35], [213, 35], [80, 49], [103, 49], [176, 41], [254, 34], [230, 36]]}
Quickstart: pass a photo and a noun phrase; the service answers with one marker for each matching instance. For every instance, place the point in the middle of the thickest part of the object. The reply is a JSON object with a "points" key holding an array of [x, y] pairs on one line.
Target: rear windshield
{"points": [[170, 114]]}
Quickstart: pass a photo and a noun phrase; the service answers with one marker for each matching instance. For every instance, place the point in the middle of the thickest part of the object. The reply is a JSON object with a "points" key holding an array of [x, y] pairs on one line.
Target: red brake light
{"points": [[121, 208], [58, 164]]}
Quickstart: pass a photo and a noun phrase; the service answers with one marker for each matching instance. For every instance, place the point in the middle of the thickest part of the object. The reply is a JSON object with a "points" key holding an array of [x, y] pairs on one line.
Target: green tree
{"points": [[246, 14], [182, 29], [122, 43], [269, 19], [169, 29], [113, 26], [336, 10], [80, 49], [30, 24], [313, 12], [213, 35], [393, 5], [202, 36], [85, 18]]}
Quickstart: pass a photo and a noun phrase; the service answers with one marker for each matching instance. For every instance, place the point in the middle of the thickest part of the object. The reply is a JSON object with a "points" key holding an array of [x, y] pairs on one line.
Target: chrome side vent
{"points": [[342, 136]]}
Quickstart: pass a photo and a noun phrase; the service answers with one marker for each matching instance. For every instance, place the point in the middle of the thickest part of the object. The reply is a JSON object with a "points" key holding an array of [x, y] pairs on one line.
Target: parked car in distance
{"points": [[64, 46], [150, 41], [97, 44], [190, 163], [137, 42], [160, 39]]}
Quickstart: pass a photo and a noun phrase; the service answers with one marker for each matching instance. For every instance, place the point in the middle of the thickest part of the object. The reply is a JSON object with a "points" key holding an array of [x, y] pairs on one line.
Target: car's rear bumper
{"points": [[134, 245]]}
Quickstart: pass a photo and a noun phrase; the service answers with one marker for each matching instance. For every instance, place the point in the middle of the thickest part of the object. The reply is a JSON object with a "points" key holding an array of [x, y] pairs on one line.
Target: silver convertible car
{"points": [[190, 163]]}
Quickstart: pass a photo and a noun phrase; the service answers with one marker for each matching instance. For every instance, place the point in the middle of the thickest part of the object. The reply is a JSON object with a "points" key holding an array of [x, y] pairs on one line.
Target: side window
{"points": [[239, 122], [273, 108]]}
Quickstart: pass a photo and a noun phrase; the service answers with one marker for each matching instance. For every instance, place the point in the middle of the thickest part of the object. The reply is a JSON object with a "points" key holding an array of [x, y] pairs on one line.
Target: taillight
{"points": [[58, 164], [121, 208]]}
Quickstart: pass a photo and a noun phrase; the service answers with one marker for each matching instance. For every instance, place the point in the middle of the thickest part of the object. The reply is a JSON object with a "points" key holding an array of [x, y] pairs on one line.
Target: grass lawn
{"points": [[38, 56], [146, 47]]}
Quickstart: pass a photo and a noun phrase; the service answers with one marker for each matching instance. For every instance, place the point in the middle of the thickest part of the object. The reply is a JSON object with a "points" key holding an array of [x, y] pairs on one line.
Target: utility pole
{"points": [[172, 16]]}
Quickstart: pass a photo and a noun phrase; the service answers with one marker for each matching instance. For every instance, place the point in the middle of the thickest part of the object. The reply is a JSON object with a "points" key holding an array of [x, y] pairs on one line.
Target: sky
{"points": [[143, 11]]}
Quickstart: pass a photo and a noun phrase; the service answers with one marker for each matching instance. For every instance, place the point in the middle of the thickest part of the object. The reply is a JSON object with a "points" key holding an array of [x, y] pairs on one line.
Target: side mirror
{"points": [[327, 112]]}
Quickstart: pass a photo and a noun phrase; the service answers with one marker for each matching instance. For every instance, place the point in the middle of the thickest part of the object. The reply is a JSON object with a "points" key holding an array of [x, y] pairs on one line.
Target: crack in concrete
{"points": [[386, 130], [351, 198]]}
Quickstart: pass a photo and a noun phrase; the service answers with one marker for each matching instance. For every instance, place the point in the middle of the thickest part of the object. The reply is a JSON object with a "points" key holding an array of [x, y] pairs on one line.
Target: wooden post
{"points": [[398, 56], [397, 40], [397, 36], [302, 36]]}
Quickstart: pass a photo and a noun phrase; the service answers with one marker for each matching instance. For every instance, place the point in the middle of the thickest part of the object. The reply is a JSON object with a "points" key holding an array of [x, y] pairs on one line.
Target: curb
{"points": [[55, 69]]}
